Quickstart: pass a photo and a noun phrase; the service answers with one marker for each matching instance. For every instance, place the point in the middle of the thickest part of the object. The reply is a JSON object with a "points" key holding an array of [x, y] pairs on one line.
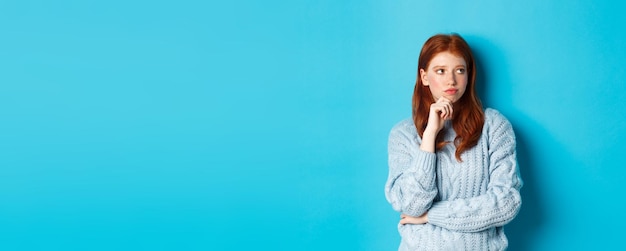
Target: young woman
{"points": [[453, 172]]}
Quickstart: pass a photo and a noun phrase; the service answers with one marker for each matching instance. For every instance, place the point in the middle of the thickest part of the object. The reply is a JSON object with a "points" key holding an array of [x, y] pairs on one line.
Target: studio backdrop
{"points": [[239, 125]]}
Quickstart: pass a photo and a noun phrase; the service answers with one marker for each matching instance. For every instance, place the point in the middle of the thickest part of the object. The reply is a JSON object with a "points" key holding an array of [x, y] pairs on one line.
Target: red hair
{"points": [[468, 117]]}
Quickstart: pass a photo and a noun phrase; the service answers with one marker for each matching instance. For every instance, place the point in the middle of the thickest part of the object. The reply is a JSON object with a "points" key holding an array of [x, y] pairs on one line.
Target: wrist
{"points": [[429, 135]]}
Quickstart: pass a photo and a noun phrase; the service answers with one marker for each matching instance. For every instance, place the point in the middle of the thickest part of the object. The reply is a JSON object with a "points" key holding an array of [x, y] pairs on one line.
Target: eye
{"points": [[460, 71], [439, 71]]}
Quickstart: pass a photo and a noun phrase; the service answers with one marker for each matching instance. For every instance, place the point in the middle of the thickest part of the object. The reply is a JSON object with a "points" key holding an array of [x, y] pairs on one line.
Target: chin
{"points": [[453, 99]]}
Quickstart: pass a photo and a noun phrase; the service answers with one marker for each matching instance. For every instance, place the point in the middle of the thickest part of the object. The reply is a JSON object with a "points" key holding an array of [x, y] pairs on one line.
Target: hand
{"points": [[440, 111], [407, 219]]}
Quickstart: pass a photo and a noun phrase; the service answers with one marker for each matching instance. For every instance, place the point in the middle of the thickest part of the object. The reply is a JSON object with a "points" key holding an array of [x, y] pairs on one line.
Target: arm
{"points": [[502, 201], [410, 187]]}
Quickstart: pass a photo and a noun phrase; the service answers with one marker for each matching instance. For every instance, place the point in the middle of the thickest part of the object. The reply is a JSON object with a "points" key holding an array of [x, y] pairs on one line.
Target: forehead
{"points": [[447, 58]]}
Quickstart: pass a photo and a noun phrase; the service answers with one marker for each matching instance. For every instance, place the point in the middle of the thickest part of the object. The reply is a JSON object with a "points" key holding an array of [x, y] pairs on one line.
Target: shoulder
{"points": [[493, 114], [404, 129], [497, 123], [493, 117]]}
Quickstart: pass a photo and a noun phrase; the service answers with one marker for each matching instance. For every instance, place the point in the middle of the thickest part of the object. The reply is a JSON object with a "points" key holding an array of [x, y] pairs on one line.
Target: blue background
{"points": [[236, 125]]}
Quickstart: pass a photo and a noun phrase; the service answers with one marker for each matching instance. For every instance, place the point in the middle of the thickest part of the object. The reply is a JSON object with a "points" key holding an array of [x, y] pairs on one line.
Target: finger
{"points": [[405, 221], [440, 110], [449, 110]]}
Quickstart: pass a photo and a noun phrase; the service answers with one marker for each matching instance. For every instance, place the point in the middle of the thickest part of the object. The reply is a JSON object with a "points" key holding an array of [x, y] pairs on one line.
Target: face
{"points": [[446, 76]]}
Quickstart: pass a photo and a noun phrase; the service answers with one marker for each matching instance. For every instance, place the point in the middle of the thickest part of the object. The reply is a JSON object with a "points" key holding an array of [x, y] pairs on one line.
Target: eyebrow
{"points": [[438, 66]]}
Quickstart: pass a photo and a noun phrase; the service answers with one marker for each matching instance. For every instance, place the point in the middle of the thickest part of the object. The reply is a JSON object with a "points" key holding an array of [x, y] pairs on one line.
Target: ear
{"points": [[424, 78]]}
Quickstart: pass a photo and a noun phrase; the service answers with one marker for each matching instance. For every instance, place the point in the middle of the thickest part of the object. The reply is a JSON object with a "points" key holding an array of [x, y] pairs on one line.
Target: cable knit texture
{"points": [[468, 202]]}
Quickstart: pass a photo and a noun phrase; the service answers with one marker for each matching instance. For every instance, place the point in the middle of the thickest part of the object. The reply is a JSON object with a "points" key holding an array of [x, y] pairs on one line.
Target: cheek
{"points": [[434, 81], [462, 85], [462, 82]]}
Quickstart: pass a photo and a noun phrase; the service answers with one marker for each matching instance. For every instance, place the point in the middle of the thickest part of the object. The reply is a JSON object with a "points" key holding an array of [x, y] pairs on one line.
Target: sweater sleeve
{"points": [[502, 201], [410, 187]]}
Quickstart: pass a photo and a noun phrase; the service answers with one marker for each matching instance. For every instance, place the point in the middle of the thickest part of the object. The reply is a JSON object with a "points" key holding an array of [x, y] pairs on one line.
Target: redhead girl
{"points": [[453, 174]]}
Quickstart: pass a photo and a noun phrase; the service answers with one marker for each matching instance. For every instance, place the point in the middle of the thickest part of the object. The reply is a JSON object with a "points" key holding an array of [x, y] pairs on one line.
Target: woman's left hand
{"points": [[407, 219]]}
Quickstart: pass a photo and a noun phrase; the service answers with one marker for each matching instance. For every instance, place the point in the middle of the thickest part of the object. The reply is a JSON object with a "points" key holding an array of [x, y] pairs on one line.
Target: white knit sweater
{"points": [[467, 202]]}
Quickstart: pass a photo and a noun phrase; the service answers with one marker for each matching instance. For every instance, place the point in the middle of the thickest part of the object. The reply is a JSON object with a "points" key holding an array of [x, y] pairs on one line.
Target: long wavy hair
{"points": [[468, 117]]}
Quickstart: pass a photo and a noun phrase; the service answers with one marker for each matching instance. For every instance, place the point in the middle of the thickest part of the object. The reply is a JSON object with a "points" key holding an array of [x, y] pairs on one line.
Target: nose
{"points": [[451, 79]]}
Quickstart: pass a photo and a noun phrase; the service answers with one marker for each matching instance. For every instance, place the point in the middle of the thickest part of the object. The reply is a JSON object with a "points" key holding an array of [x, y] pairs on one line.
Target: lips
{"points": [[451, 91]]}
